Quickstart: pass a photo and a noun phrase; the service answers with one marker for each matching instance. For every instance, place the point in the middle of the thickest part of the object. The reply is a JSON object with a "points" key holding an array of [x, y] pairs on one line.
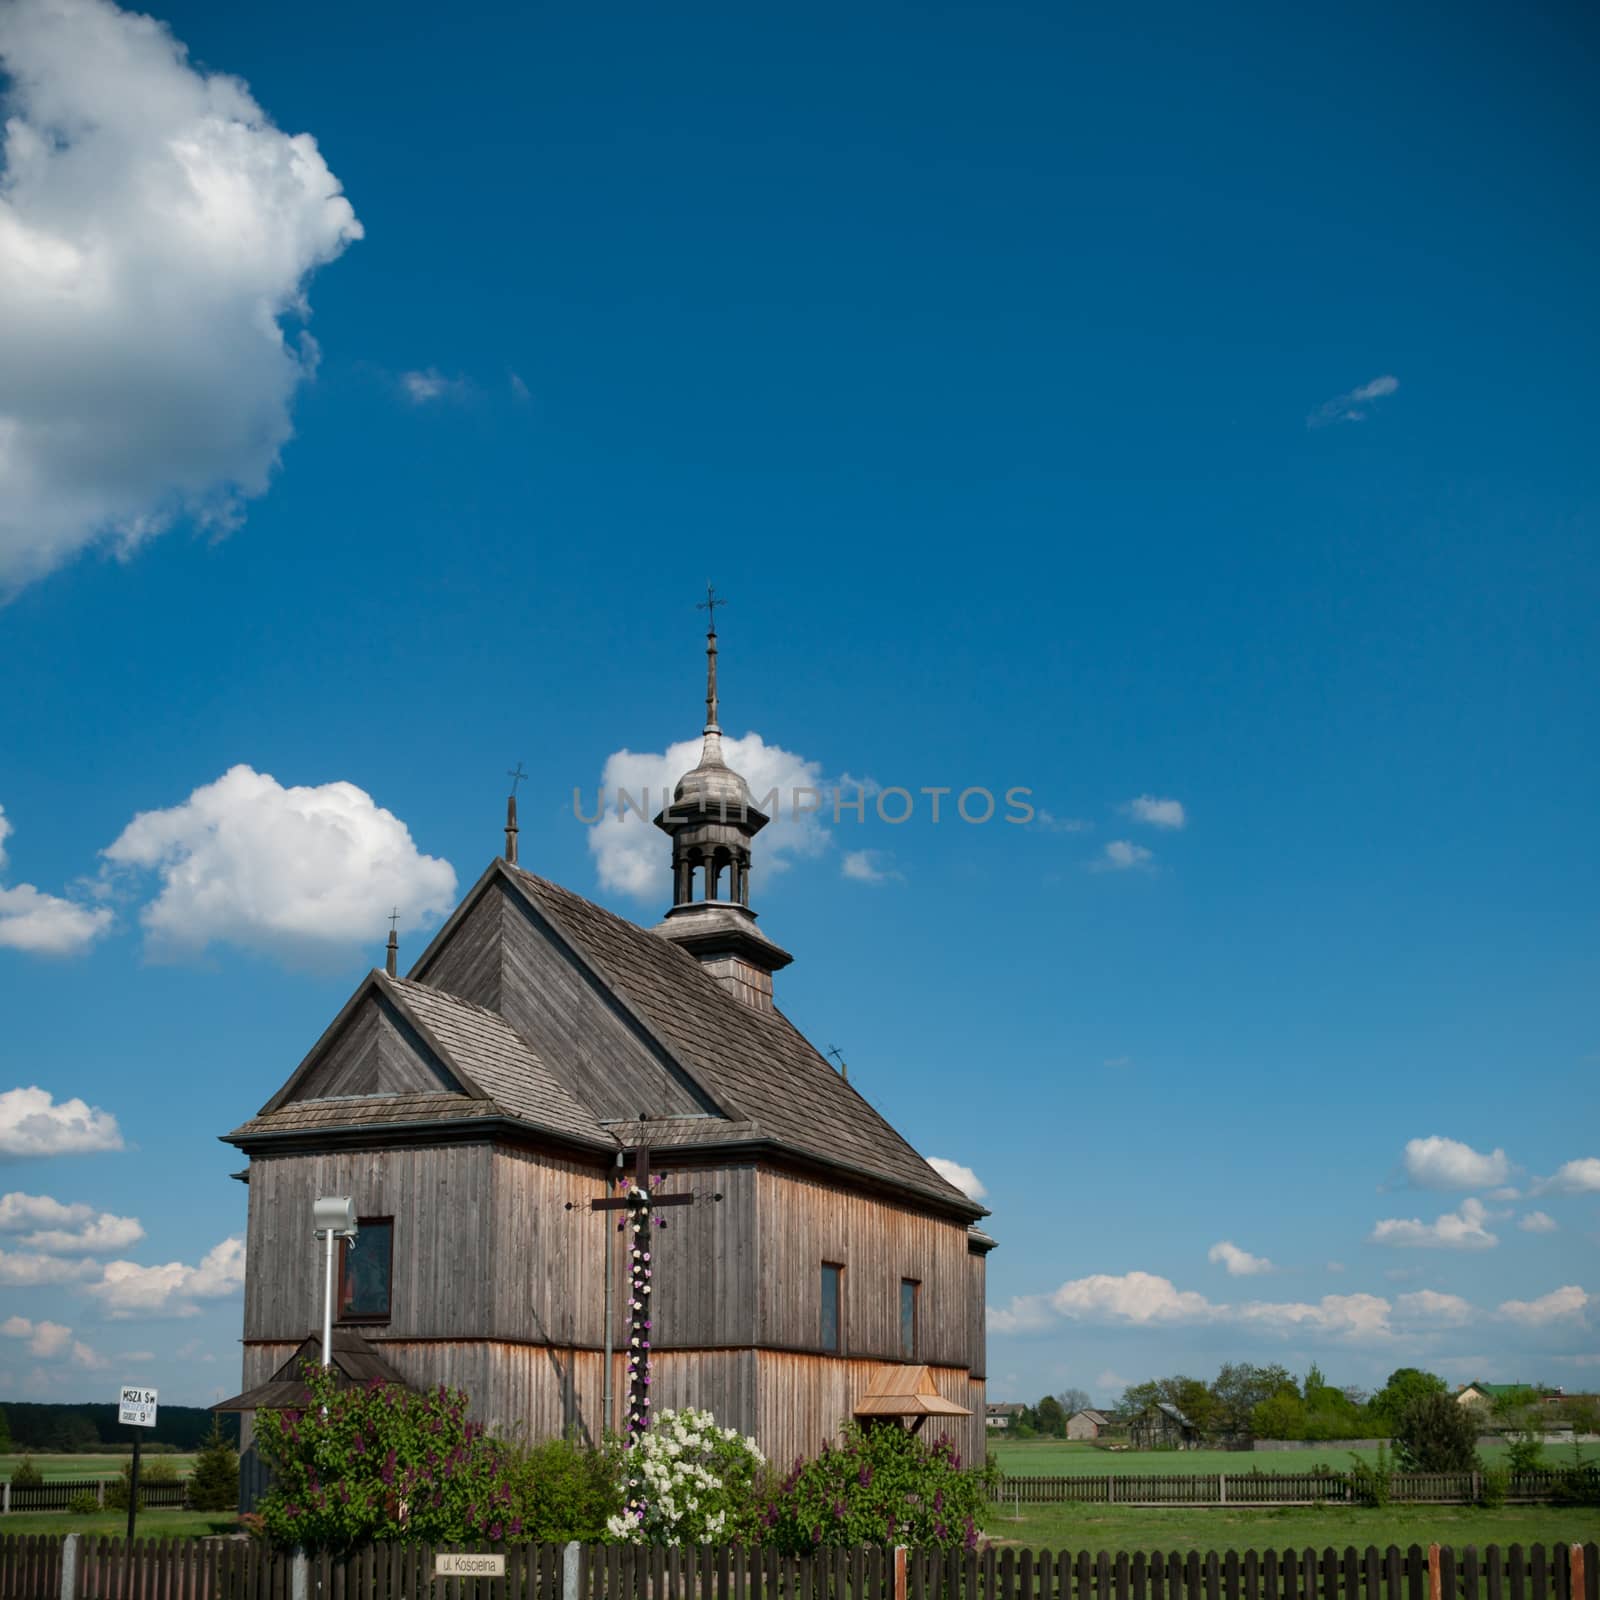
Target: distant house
{"points": [[1092, 1424], [1162, 1427], [1485, 1394], [1001, 1416]]}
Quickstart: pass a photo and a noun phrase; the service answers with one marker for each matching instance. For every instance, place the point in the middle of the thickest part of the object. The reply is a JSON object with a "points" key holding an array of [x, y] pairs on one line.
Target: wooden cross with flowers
{"points": [[639, 1197]]}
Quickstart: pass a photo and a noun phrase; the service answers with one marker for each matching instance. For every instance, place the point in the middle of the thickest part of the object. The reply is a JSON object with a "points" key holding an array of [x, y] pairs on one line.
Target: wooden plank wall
{"points": [[977, 1313], [376, 1052], [805, 1222]]}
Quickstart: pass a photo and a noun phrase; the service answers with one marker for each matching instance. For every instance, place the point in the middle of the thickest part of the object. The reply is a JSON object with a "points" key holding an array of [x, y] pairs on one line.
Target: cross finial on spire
{"points": [[394, 918], [391, 956], [710, 604], [844, 1071], [516, 775]]}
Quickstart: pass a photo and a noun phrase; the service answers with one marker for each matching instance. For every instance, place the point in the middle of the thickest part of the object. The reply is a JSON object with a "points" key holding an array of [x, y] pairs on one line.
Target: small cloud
{"points": [[1239, 1263], [1158, 813], [964, 1178], [45, 1339], [45, 924], [33, 1124], [48, 1225], [1440, 1163], [1117, 1061], [1431, 1306], [1048, 822], [869, 866], [1121, 855], [1576, 1177], [1027, 1313], [1454, 1230], [1538, 1222], [29, 1270], [519, 390], [1344, 1316], [1347, 407], [1109, 1382], [1336, 1266], [1507, 1192], [420, 388], [1140, 1298], [1567, 1303]]}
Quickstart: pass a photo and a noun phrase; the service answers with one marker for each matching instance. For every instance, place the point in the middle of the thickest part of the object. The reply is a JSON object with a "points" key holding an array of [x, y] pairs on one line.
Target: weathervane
{"points": [[710, 604]]}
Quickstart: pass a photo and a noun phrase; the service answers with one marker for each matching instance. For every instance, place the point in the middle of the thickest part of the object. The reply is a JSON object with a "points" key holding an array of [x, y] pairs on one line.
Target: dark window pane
{"points": [[364, 1272], [908, 1320], [830, 1308]]}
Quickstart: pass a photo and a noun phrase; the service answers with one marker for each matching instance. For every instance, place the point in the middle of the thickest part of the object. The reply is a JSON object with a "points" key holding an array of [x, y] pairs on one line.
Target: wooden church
{"points": [[475, 1108]]}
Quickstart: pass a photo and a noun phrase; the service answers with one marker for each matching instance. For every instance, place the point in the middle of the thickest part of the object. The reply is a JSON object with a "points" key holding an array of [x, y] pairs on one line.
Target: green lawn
{"points": [[1053, 1458], [151, 1524], [1130, 1528], [56, 1468]]}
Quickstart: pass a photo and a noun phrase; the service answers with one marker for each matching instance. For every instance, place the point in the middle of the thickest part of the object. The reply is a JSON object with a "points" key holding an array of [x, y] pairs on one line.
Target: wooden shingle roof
{"points": [[756, 1065]]}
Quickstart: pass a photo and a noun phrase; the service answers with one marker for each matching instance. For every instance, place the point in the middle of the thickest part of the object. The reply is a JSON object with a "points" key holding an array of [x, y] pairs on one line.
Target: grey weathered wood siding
{"points": [[376, 1052], [977, 1312], [805, 1222]]}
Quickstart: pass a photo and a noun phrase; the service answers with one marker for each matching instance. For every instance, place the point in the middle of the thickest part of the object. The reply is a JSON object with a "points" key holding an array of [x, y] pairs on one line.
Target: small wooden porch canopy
{"points": [[901, 1393], [354, 1362]]}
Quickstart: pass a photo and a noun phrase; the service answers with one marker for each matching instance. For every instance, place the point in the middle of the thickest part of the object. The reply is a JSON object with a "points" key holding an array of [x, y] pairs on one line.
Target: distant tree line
{"points": [[86, 1429], [1269, 1402]]}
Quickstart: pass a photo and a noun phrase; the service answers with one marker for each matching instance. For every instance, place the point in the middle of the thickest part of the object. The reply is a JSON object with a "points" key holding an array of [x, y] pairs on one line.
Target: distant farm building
{"points": [[1162, 1427], [1001, 1416], [1091, 1424]]}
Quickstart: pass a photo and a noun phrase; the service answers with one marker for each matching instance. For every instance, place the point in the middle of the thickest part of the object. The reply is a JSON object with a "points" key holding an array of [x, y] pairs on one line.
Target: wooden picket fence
{"points": [[32, 1566], [59, 1494], [1289, 1488]]}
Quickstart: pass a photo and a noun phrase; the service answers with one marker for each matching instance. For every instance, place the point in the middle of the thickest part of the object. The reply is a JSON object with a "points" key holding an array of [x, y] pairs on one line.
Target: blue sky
{"points": [[1184, 408]]}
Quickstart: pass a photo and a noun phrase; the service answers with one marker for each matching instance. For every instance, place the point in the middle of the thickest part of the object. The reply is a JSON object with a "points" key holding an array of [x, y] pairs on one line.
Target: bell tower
{"points": [[712, 821]]}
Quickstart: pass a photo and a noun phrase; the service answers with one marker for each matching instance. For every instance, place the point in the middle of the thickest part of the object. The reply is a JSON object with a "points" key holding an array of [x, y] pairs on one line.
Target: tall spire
{"points": [[710, 604], [516, 775], [391, 956]]}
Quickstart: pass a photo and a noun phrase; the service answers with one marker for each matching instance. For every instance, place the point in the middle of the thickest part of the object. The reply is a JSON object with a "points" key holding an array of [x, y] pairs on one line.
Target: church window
{"points": [[910, 1296], [365, 1265], [832, 1308]]}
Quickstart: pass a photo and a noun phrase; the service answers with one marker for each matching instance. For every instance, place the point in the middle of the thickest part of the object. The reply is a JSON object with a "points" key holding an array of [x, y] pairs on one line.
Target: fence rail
{"points": [[59, 1495], [34, 1567], [1293, 1488]]}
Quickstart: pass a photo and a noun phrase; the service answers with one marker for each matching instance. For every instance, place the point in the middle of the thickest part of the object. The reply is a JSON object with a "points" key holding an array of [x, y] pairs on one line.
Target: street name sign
{"points": [[469, 1564], [137, 1407]]}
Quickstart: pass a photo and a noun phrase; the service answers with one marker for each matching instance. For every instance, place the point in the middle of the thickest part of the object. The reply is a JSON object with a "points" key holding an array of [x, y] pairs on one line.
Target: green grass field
{"points": [[1130, 1528], [1055, 1458], [151, 1524], [55, 1469]]}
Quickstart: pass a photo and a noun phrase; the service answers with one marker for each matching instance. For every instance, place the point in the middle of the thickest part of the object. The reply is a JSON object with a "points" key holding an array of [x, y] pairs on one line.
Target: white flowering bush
{"points": [[687, 1481]]}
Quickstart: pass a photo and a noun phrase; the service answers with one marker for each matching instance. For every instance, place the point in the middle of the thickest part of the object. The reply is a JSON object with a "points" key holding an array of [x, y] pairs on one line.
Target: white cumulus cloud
{"points": [[1568, 1303], [155, 230], [964, 1178], [868, 866], [634, 857], [1537, 1222], [1575, 1177], [1158, 813], [127, 1289], [27, 1269], [1239, 1263], [30, 919], [1136, 1297], [33, 1124], [1454, 1230], [45, 1339], [1342, 1316], [1440, 1163], [1350, 406], [421, 387], [51, 1226], [299, 872]]}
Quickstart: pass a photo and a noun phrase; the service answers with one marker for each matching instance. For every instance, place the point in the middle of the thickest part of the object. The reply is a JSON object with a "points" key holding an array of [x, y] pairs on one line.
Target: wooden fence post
{"points": [[1575, 1575], [570, 1557], [300, 1577], [69, 1565], [900, 1572], [5, 1509], [1434, 1590]]}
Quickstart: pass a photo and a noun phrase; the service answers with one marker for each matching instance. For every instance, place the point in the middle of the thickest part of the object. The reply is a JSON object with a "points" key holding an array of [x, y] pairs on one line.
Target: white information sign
{"points": [[137, 1407], [466, 1564]]}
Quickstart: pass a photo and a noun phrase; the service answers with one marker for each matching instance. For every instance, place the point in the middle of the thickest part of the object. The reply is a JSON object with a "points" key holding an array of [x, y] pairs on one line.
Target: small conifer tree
{"points": [[214, 1482]]}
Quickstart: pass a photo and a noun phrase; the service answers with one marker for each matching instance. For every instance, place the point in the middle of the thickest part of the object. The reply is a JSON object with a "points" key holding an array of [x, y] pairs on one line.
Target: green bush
{"points": [[155, 1471], [119, 1489], [1492, 1487], [1371, 1481], [214, 1483], [365, 1465], [1435, 1434], [882, 1486], [84, 1504], [1525, 1452], [25, 1475], [565, 1491]]}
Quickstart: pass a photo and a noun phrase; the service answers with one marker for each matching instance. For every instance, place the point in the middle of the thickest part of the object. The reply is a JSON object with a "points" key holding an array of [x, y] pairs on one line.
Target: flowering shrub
{"points": [[687, 1481], [881, 1486], [384, 1462]]}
